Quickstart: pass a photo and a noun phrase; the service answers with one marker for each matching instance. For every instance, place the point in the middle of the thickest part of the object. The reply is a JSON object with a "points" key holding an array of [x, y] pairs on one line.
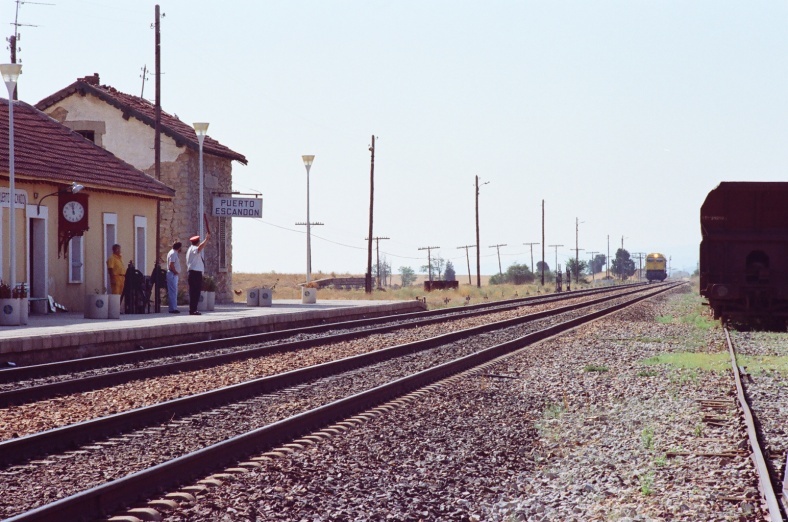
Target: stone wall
{"points": [[180, 218]]}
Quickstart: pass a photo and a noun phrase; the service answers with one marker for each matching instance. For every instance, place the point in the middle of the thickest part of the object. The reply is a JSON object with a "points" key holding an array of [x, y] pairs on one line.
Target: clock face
{"points": [[73, 211]]}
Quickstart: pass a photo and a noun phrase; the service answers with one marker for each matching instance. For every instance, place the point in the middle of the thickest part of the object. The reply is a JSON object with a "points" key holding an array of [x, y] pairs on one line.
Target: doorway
{"points": [[37, 266]]}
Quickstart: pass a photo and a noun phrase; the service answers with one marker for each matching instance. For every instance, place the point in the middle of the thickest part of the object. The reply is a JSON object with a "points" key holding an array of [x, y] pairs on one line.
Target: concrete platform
{"points": [[64, 335]]}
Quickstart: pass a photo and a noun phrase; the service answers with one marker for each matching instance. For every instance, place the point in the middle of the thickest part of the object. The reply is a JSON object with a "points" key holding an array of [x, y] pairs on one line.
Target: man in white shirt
{"points": [[173, 271], [196, 266]]}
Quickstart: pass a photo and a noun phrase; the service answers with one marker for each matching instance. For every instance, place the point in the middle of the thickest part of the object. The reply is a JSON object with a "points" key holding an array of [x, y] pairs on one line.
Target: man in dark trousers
{"points": [[195, 263]]}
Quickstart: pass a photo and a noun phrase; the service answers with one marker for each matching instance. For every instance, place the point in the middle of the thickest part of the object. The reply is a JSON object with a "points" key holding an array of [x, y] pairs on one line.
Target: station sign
{"points": [[237, 207], [19, 201]]}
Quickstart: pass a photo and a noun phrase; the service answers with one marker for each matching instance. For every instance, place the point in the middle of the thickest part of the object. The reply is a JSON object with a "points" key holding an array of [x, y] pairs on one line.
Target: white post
{"points": [[10, 74], [201, 129], [308, 159]]}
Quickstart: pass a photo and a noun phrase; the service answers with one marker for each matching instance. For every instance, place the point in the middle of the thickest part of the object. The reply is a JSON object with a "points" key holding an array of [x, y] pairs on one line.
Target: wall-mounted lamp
{"points": [[73, 189]]}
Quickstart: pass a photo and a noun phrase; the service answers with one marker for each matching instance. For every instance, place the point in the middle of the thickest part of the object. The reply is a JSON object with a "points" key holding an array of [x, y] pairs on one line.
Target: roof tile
{"points": [[143, 110], [45, 150]]}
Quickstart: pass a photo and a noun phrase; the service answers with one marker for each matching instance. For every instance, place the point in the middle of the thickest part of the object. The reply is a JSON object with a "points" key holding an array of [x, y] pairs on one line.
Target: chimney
{"points": [[91, 80]]}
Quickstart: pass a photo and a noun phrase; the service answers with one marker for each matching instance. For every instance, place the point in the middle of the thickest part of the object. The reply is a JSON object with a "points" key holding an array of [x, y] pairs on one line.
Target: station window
{"points": [[140, 243], [76, 260]]}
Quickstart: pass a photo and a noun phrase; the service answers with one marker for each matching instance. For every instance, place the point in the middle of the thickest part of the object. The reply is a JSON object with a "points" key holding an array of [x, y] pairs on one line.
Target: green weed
{"points": [[595, 368], [647, 438], [646, 483]]}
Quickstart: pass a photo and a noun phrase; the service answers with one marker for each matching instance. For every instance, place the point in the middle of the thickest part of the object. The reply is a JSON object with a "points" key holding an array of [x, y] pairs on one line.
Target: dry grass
{"points": [[287, 287]]}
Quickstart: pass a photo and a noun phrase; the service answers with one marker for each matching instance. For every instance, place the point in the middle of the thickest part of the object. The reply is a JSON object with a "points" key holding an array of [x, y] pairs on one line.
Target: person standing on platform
{"points": [[116, 270], [196, 266], [173, 271]]}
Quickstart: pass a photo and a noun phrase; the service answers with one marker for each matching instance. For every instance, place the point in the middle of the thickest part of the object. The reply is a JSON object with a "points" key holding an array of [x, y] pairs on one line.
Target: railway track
{"points": [[393, 372], [760, 398], [39, 382]]}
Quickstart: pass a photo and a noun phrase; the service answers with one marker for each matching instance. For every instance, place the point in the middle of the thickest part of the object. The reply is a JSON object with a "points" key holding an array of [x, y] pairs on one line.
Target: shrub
{"points": [[208, 284]]}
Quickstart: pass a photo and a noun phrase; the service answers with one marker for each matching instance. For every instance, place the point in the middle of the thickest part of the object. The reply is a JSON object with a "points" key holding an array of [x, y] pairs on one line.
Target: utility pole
{"points": [[368, 277], [468, 258], [577, 256], [555, 268], [640, 263], [157, 151], [591, 264], [429, 260], [607, 261], [533, 269], [577, 265], [144, 77], [478, 246], [542, 242], [498, 248], [308, 225], [377, 251]]}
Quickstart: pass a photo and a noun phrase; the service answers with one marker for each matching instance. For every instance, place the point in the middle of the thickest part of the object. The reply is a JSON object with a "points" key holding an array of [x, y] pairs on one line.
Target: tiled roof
{"points": [[143, 110], [46, 151]]}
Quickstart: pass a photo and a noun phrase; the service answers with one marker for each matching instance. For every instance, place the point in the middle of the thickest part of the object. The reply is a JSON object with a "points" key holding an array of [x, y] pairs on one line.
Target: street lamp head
{"points": [[76, 187], [10, 73], [308, 159], [201, 128]]}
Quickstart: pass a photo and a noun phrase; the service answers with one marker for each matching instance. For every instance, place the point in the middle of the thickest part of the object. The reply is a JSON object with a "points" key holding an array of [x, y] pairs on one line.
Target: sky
{"points": [[619, 115]]}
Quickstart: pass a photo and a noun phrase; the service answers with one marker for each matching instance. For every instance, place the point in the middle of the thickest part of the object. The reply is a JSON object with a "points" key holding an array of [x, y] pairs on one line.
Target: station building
{"points": [[124, 125], [62, 238]]}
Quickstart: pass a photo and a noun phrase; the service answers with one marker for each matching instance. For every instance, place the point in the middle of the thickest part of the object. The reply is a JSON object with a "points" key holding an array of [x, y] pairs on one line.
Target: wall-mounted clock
{"points": [[73, 211], [72, 218]]}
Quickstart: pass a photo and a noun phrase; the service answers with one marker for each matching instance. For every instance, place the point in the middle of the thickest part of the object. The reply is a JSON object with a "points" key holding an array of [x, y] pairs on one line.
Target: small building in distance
{"points": [[125, 125]]}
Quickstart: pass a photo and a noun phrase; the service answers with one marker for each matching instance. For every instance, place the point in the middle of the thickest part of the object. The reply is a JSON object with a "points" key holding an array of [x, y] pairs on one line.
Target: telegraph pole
{"points": [[498, 248], [577, 256], [607, 261], [591, 264], [577, 265], [555, 268], [368, 278], [377, 251], [429, 259], [542, 242], [478, 247], [468, 259], [533, 269], [640, 263]]}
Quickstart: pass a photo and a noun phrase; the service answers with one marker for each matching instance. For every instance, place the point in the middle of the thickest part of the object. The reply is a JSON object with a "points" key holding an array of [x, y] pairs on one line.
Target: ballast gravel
{"points": [[581, 427]]}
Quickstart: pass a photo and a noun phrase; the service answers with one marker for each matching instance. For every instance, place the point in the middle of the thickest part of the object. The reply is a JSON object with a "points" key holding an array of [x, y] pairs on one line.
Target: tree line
{"points": [[622, 266]]}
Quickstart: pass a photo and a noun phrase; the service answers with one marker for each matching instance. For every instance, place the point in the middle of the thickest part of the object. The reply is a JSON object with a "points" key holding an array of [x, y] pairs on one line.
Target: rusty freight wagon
{"points": [[744, 252]]}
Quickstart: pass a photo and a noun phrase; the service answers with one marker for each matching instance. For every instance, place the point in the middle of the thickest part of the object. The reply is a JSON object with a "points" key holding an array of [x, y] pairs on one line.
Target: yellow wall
{"points": [[71, 295]]}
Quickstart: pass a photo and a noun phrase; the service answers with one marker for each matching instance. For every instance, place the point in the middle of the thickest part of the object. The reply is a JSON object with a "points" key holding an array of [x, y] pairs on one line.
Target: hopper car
{"points": [[744, 253]]}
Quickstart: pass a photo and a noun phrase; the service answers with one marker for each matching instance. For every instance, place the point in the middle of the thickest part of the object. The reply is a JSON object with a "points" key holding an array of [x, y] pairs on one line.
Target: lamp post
{"points": [[74, 188], [10, 73], [201, 128], [308, 159]]}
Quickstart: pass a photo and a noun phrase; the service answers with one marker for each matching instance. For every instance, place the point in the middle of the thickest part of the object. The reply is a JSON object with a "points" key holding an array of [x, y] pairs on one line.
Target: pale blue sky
{"points": [[624, 114]]}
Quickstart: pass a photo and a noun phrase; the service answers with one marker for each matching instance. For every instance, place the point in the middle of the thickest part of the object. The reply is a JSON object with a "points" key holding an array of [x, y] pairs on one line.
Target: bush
{"points": [[208, 284]]}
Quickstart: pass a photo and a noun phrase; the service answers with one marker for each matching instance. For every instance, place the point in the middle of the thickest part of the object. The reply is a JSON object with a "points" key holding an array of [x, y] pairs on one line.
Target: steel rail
{"points": [[101, 361], [82, 384], [24, 448], [764, 480], [104, 499]]}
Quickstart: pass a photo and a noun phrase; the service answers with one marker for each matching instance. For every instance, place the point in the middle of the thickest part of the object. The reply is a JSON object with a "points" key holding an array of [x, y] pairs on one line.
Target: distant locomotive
{"points": [[744, 252], [656, 267]]}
